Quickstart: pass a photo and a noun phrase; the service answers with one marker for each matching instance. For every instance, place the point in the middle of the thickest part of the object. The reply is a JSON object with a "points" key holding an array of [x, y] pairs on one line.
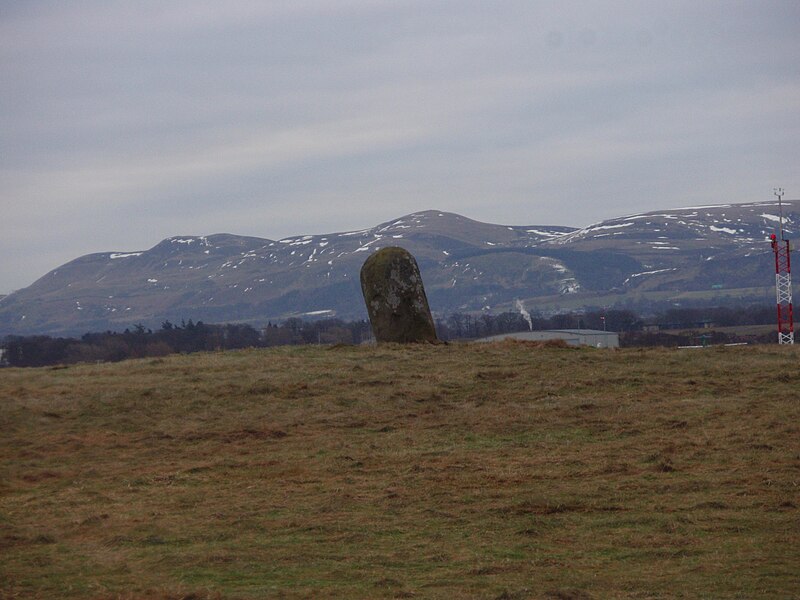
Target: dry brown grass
{"points": [[463, 471]]}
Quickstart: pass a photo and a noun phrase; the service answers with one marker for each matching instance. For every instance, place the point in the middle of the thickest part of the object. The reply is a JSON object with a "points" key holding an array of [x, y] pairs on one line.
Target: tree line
{"points": [[623, 321], [190, 336], [141, 342]]}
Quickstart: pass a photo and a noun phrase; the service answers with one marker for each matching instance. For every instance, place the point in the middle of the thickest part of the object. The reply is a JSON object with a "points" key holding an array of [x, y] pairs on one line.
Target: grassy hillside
{"points": [[485, 471]]}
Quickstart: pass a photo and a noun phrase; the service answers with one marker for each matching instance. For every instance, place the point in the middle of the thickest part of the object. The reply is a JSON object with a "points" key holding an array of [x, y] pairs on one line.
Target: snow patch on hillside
{"points": [[546, 234], [774, 218], [645, 273], [602, 227]]}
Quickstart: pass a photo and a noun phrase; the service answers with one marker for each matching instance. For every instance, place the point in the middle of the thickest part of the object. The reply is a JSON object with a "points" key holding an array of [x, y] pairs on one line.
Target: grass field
{"points": [[455, 471]]}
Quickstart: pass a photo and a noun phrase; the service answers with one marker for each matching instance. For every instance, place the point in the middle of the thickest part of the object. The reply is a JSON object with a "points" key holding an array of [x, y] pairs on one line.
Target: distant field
{"points": [[743, 330], [567, 302], [454, 471]]}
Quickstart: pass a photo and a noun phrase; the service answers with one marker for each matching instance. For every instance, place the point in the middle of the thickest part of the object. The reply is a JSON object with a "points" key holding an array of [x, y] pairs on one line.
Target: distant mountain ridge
{"points": [[466, 265]]}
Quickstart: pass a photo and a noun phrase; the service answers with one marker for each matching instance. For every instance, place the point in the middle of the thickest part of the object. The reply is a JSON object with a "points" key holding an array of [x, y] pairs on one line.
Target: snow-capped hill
{"points": [[718, 247], [467, 265], [745, 226]]}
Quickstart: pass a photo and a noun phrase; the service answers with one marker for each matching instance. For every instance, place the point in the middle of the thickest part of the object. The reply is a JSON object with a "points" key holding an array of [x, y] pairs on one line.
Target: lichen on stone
{"points": [[395, 297]]}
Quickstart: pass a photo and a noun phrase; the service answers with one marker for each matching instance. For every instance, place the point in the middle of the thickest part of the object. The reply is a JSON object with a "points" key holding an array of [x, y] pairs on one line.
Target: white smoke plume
{"points": [[525, 314]]}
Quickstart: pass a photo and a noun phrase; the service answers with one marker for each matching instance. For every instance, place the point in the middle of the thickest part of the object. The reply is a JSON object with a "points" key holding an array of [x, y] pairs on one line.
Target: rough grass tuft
{"points": [[510, 470]]}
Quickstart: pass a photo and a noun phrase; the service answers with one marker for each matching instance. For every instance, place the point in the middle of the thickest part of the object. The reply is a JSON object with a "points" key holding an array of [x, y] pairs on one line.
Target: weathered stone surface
{"points": [[395, 297]]}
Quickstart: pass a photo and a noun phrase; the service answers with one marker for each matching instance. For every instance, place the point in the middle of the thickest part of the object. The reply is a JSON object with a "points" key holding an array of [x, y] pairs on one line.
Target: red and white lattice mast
{"points": [[783, 280]]}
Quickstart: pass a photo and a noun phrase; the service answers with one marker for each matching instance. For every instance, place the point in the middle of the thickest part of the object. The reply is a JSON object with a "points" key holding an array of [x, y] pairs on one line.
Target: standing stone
{"points": [[395, 297]]}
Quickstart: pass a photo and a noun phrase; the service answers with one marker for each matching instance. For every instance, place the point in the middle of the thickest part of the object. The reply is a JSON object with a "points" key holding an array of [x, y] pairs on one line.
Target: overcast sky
{"points": [[122, 123]]}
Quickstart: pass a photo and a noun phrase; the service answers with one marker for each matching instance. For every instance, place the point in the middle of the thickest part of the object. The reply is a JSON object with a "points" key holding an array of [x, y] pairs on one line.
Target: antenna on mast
{"points": [[779, 193], [783, 280]]}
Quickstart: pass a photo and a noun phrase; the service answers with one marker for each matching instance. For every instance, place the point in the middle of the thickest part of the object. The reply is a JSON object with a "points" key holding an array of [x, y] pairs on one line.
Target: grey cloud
{"points": [[127, 122]]}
